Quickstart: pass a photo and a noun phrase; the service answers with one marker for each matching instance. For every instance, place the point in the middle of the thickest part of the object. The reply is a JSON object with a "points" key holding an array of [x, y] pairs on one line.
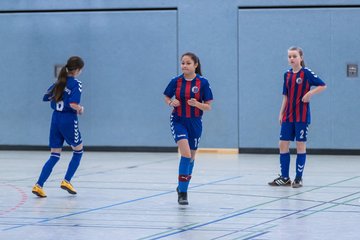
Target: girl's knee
{"points": [[301, 147]]}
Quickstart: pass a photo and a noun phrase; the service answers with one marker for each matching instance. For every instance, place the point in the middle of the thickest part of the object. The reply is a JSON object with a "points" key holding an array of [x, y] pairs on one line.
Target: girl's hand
{"points": [[80, 111], [174, 103], [280, 118], [192, 102], [306, 97]]}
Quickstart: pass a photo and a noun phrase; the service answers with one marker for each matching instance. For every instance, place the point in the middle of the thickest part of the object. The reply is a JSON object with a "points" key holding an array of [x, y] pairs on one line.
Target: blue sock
{"points": [[285, 164], [48, 167], [300, 164], [184, 174], [191, 166], [73, 165]]}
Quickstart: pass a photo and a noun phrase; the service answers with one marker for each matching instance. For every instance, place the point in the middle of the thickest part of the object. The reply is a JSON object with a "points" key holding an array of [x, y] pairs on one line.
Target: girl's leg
{"points": [[192, 162], [284, 158], [284, 179], [73, 166], [75, 162], [300, 159], [46, 171], [49, 165], [184, 176]]}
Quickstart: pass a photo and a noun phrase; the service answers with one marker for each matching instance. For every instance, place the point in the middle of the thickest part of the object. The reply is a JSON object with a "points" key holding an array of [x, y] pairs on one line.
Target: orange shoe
{"points": [[38, 191], [68, 187]]}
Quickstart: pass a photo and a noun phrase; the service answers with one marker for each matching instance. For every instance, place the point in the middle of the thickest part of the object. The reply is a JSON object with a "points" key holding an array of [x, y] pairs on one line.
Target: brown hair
{"points": [[73, 63]]}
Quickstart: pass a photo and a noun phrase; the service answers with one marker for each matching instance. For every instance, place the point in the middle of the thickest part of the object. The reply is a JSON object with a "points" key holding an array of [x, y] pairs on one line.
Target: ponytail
{"points": [[198, 68], [302, 63], [59, 87], [74, 63]]}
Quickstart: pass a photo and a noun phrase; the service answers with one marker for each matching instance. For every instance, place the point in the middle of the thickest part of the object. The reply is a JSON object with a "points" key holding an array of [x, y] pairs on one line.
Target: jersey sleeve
{"points": [[48, 95], [171, 88], [314, 80], [208, 96], [285, 90], [76, 90]]}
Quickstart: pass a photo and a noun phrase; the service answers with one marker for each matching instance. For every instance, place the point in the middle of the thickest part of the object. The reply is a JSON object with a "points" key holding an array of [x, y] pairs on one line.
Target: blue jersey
{"points": [[72, 94], [183, 90], [296, 85]]}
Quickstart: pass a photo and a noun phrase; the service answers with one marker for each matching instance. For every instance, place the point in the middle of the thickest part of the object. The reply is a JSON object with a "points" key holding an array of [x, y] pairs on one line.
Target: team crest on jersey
{"points": [[299, 80], [195, 89]]}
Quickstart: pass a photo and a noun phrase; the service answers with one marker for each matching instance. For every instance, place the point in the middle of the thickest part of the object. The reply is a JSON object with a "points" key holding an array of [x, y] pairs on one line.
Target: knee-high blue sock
{"points": [[191, 166], [184, 176], [300, 164], [285, 164], [48, 167], [73, 165]]}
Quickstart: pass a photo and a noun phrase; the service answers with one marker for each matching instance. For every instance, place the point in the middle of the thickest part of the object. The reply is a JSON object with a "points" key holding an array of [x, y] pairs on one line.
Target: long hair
{"points": [[301, 53], [196, 61], [74, 63]]}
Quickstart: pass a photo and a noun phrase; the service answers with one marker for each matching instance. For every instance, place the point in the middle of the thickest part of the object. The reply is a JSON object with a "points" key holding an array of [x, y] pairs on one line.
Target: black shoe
{"points": [[182, 197], [280, 181], [297, 183]]}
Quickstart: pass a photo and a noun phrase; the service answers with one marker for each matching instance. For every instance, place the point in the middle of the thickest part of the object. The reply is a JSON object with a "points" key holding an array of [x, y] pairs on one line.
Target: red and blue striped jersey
{"points": [[183, 90], [296, 85]]}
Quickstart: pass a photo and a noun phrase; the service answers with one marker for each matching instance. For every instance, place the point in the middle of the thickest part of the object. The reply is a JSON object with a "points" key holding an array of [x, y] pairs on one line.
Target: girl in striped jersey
{"points": [[189, 94], [294, 115], [64, 97]]}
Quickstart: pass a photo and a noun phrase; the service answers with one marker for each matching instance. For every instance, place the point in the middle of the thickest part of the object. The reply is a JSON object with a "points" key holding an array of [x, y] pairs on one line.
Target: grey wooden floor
{"points": [[132, 196]]}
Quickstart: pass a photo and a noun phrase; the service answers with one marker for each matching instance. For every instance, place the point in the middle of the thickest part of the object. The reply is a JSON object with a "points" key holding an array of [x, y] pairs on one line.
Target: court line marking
{"points": [[113, 205], [202, 224], [275, 200], [23, 195]]}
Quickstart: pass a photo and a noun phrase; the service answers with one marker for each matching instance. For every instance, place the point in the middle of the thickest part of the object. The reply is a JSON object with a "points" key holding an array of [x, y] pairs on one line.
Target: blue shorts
{"points": [[186, 128], [64, 126], [294, 130]]}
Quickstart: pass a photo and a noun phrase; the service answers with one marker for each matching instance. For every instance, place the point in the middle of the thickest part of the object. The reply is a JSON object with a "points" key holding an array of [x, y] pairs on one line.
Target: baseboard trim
{"points": [[91, 148], [175, 149], [315, 151]]}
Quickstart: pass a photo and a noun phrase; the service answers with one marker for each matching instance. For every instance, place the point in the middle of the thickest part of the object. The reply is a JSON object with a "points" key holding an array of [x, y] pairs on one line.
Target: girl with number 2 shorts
{"points": [[294, 115]]}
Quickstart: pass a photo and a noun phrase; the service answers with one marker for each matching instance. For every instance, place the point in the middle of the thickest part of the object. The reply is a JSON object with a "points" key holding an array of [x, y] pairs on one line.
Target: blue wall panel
{"points": [[130, 57], [264, 37]]}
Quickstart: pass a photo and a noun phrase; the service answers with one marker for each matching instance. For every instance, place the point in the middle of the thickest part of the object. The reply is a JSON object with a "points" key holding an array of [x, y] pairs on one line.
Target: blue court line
{"points": [[335, 204], [257, 235], [202, 225], [116, 204], [225, 235], [275, 200], [298, 211]]}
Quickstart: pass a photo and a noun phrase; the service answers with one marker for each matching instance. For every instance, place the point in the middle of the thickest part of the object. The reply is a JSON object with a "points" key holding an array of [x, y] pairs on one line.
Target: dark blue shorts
{"points": [[186, 128], [64, 126], [294, 130]]}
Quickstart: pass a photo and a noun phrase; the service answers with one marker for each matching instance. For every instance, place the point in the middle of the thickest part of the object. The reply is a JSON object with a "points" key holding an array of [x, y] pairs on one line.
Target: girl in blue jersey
{"points": [[189, 94], [64, 97], [294, 115]]}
